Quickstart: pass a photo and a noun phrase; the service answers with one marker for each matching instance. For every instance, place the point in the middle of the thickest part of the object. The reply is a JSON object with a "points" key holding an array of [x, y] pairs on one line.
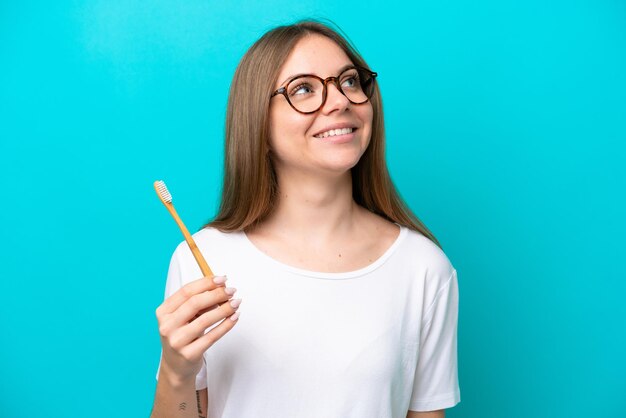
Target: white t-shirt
{"points": [[370, 343]]}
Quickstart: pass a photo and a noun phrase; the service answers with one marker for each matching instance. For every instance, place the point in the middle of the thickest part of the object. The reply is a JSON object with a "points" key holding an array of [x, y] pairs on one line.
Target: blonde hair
{"points": [[250, 189]]}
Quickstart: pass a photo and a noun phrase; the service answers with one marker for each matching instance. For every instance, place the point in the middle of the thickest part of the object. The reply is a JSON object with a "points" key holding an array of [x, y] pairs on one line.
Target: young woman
{"points": [[349, 305]]}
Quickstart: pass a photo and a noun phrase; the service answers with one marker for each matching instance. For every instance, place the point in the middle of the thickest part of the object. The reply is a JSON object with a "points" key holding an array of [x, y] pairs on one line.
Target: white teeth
{"points": [[334, 132]]}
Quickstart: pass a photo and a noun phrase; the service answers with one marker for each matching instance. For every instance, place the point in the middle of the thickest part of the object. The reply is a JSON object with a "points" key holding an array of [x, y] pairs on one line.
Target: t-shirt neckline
{"points": [[326, 275]]}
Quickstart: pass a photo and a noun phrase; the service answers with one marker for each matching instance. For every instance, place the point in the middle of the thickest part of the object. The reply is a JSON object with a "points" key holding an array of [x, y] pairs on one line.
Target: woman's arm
{"points": [[176, 399]]}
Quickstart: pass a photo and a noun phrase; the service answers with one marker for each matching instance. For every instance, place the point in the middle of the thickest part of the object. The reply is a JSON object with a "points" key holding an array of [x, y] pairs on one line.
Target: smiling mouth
{"points": [[335, 132]]}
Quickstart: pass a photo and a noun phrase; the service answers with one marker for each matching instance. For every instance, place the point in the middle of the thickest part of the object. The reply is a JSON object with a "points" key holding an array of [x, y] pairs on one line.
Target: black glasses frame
{"points": [[325, 81]]}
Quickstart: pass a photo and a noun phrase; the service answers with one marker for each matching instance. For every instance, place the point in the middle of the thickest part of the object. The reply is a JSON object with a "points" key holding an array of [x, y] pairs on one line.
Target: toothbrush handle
{"points": [[204, 267]]}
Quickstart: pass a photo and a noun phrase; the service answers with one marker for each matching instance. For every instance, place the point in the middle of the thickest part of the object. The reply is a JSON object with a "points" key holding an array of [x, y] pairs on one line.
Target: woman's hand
{"points": [[183, 319]]}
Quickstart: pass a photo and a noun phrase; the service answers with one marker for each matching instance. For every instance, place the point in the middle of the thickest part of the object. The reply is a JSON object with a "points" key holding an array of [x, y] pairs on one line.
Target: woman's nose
{"points": [[335, 99]]}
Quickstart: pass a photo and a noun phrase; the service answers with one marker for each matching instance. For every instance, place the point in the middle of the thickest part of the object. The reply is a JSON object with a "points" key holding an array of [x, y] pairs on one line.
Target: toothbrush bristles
{"points": [[163, 192]]}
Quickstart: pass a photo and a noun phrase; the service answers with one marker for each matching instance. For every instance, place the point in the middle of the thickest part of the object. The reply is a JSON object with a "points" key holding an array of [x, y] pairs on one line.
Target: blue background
{"points": [[506, 130]]}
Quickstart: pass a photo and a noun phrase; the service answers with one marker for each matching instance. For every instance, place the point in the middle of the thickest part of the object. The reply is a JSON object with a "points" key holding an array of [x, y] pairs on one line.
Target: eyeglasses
{"points": [[307, 93]]}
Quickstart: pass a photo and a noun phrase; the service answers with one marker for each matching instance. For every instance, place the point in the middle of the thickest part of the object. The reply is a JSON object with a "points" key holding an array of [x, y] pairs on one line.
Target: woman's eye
{"points": [[350, 82], [301, 89]]}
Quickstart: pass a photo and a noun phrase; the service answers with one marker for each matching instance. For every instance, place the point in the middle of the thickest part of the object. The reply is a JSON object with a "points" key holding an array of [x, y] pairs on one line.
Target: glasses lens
{"points": [[305, 93], [367, 83], [350, 81]]}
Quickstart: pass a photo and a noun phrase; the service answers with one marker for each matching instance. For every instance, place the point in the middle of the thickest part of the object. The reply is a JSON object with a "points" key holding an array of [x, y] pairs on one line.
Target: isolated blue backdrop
{"points": [[506, 130]]}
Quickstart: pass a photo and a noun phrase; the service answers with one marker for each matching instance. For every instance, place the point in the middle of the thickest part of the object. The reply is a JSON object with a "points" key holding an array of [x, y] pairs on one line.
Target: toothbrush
{"points": [[166, 198]]}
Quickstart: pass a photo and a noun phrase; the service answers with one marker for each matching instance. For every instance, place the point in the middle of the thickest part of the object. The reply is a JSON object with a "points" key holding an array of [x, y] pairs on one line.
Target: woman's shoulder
{"points": [[210, 237], [425, 253], [209, 232], [413, 246], [218, 248]]}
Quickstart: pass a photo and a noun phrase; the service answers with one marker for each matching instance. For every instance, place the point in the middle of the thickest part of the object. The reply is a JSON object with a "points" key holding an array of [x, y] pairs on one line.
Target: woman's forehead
{"points": [[314, 54]]}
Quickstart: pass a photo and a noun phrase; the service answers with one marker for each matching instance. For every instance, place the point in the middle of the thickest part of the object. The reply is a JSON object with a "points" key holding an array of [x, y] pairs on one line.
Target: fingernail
{"points": [[235, 303], [234, 316], [219, 279], [230, 290]]}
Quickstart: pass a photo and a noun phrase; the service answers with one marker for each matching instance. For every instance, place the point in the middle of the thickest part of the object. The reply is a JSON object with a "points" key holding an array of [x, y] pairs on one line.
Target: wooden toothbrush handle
{"points": [[204, 267]]}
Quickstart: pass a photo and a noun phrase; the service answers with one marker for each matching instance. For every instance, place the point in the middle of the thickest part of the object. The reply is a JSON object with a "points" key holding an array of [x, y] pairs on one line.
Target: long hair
{"points": [[250, 189]]}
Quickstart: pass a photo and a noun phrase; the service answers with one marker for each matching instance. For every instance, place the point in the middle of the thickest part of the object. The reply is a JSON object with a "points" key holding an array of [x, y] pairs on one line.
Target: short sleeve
{"points": [[173, 283], [436, 384]]}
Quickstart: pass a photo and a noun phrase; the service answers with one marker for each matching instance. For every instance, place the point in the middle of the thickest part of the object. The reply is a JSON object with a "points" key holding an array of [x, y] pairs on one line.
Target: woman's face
{"points": [[295, 137]]}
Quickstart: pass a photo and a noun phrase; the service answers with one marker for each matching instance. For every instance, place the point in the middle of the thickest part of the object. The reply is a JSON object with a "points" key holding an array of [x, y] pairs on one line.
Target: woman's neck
{"points": [[318, 209]]}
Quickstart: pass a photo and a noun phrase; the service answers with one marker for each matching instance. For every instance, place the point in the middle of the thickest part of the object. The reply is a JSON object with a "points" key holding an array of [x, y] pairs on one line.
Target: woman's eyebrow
{"points": [[291, 77]]}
